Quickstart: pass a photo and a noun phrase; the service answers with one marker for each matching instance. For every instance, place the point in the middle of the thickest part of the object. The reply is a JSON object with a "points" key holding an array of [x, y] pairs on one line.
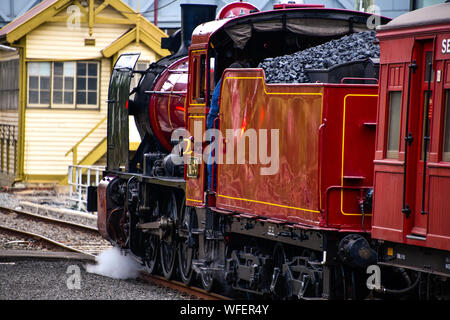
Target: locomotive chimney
{"points": [[191, 16]]}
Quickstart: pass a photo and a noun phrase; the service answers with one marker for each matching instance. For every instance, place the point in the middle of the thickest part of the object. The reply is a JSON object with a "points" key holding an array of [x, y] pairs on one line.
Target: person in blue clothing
{"points": [[212, 121]]}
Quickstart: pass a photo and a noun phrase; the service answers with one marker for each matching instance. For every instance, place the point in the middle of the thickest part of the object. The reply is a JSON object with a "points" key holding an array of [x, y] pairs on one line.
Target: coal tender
{"points": [[352, 58]]}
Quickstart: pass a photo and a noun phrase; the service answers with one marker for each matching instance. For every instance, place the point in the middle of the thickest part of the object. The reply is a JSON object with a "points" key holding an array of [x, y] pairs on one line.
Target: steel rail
{"points": [[86, 250], [50, 219], [181, 287], [44, 239]]}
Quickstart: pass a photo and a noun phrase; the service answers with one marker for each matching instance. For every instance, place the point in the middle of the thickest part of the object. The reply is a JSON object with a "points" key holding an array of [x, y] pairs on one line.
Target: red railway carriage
{"points": [[411, 204]]}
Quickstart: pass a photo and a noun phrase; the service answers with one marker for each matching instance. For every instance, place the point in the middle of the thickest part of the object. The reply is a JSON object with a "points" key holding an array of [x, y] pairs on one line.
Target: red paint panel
{"points": [[348, 153], [295, 111], [439, 218], [195, 186], [395, 77], [387, 221], [396, 50]]}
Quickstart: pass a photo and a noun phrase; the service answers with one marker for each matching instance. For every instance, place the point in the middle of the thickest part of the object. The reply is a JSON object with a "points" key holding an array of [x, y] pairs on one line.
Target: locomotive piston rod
{"points": [[163, 228]]}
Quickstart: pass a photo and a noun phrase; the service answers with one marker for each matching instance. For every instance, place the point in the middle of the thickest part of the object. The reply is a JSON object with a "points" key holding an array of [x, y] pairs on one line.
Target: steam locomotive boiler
{"points": [[289, 210]]}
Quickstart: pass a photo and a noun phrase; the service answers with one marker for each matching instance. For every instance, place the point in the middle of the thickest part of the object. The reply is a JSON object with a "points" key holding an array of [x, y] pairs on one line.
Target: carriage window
{"points": [[393, 141], [428, 61], [446, 146], [199, 83], [202, 76]]}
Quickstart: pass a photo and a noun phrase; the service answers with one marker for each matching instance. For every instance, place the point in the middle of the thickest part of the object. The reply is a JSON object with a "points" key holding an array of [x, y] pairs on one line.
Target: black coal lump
{"points": [[291, 68]]}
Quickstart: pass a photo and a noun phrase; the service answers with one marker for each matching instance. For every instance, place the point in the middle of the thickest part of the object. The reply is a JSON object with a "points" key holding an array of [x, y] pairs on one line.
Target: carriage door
{"points": [[423, 129]]}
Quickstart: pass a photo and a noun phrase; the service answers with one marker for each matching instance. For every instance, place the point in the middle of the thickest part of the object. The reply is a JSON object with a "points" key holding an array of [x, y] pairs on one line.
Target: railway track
{"points": [[56, 232], [75, 244]]}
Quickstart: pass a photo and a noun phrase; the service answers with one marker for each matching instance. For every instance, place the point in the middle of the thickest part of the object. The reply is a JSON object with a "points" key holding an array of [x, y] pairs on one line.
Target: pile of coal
{"points": [[291, 68]]}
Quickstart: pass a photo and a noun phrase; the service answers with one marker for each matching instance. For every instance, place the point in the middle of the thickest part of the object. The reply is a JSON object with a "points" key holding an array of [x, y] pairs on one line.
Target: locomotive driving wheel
{"points": [[168, 244], [187, 245], [151, 253], [207, 276], [151, 244]]}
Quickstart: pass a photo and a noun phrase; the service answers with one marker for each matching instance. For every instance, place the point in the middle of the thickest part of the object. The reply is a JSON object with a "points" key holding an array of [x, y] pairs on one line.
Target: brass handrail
{"points": [[74, 149]]}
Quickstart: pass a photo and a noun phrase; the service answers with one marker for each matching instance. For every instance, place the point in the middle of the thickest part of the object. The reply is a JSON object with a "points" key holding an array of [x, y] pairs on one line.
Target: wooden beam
{"points": [[106, 20], [83, 9], [120, 43], [153, 43], [101, 7], [91, 17]]}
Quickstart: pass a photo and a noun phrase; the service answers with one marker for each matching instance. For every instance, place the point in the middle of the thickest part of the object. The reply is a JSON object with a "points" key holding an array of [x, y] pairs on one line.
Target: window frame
{"points": [[75, 105], [393, 154], [63, 105], [445, 156], [39, 105], [9, 90], [199, 78], [87, 106]]}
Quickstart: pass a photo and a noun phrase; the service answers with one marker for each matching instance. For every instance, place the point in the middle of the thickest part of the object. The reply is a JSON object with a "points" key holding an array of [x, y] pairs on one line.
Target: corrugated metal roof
{"points": [[437, 14]]}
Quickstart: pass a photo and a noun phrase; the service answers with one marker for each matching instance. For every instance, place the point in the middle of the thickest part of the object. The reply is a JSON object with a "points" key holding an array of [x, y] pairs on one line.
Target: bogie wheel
{"points": [[168, 244], [187, 249]]}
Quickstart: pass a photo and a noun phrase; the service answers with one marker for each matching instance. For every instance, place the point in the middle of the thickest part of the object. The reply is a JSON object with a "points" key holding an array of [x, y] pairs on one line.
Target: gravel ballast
{"points": [[58, 280]]}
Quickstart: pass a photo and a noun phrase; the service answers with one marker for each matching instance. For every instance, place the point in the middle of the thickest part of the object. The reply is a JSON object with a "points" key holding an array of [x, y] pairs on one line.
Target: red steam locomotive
{"points": [[313, 185]]}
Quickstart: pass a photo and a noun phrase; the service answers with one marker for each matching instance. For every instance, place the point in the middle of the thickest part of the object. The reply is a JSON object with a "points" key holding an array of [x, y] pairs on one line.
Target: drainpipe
{"points": [[155, 12]]}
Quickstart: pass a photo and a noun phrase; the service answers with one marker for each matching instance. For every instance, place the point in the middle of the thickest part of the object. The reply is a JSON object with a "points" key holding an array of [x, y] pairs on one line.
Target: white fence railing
{"points": [[79, 179]]}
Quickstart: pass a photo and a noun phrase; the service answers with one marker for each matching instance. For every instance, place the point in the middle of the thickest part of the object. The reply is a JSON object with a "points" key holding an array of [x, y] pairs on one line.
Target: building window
{"points": [[446, 146], [87, 79], [9, 85], [63, 84], [393, 138], [39, 83]]}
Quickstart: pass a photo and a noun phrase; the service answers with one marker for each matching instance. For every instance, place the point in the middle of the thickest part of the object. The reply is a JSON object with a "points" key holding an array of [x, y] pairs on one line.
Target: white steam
{"points": [[111, 263]]}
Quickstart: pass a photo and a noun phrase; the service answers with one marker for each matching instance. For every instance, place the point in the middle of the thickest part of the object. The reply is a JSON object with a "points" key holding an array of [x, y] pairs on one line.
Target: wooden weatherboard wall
{"points": [[48, 34]]}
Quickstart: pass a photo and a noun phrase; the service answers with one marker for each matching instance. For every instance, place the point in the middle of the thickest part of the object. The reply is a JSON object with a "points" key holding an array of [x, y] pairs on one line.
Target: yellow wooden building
{"points": [[64, 52]]}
